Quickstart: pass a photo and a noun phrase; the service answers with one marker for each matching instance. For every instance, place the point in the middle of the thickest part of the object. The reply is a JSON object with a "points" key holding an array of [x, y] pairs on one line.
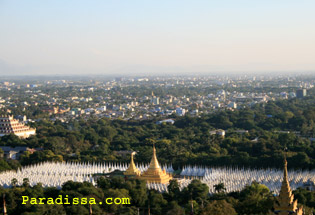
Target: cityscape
{"points": [[57, 131], [145, 97], [157, 107]]}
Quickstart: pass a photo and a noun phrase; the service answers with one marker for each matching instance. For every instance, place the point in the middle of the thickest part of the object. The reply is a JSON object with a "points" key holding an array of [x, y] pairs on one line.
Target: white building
{"points": [[155, 100], [232, 105], [9, 125], [103, 108], [180, 111]]}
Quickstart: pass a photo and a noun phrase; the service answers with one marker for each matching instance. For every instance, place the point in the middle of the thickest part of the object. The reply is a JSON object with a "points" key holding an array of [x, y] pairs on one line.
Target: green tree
{"points": [[255, 199], [196, 191], [219, 207], [175, 209], [219, 187], [26, 182], [14, 182]]}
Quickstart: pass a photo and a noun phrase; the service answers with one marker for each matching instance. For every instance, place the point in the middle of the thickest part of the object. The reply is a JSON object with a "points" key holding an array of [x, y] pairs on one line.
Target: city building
{"points": [[180, 111], [219, 132], [300, 93], [9, 125], [166, 121], [15, 152], [232, 105], [51, 110], [155, 100]]}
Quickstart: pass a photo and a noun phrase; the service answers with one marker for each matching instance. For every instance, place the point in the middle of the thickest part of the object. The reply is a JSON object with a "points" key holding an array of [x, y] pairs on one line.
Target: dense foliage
{"points": [[253, 199]]}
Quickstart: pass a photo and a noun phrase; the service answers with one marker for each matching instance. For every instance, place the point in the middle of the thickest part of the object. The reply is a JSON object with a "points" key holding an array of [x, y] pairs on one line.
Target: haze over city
{"points": [[156, 37], [157, 107]]}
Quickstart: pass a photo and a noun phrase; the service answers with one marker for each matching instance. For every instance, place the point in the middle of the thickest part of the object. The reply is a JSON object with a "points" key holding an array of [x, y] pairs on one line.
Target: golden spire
{"points": [[132, 169], [286, 196], [285, 203], [154, 164]]}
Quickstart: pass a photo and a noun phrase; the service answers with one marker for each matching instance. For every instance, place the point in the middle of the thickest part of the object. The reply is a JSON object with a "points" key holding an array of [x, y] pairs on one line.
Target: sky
{"points": [[80, 37]]}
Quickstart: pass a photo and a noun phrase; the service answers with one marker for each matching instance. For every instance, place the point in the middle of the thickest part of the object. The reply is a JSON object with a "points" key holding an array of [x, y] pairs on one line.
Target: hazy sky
{"points": [[151, 37]]}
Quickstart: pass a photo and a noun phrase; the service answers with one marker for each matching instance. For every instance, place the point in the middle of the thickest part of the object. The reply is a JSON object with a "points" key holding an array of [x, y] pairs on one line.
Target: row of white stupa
{"points": [[235, 179]]}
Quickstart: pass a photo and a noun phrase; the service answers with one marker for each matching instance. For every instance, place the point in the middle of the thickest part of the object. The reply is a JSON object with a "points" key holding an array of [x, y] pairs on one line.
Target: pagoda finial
{"points": [[131, 158], [154, 164], [285, 170], [4, 206]]}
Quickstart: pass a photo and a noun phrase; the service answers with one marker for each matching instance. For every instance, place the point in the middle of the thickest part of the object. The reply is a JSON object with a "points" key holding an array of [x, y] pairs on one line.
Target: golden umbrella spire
{"points": [[132, 169]]}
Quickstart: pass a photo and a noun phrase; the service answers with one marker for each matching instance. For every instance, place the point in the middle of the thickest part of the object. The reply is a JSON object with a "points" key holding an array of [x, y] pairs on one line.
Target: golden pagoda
{"points": [[285, 203], [154, 174], [132, 170]]}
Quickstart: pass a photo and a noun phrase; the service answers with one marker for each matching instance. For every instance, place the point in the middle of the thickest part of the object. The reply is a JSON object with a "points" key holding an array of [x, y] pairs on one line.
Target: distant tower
{"points": [[155, 100], [300, 93], [285, 204]]}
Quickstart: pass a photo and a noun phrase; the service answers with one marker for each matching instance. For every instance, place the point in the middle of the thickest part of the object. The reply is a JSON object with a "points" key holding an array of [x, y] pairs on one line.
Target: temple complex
{"points": [[154, 174], [9, 125], [285, 204]]}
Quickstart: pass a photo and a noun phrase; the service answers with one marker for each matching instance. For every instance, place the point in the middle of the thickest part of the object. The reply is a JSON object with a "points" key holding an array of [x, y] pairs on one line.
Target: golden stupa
{"points": [[154, 174], [285, 203], [132, 170]]}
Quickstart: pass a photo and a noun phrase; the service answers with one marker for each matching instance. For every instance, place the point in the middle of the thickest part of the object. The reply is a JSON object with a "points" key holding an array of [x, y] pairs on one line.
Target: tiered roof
{"points": [[285, 203], [9, 125]]}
